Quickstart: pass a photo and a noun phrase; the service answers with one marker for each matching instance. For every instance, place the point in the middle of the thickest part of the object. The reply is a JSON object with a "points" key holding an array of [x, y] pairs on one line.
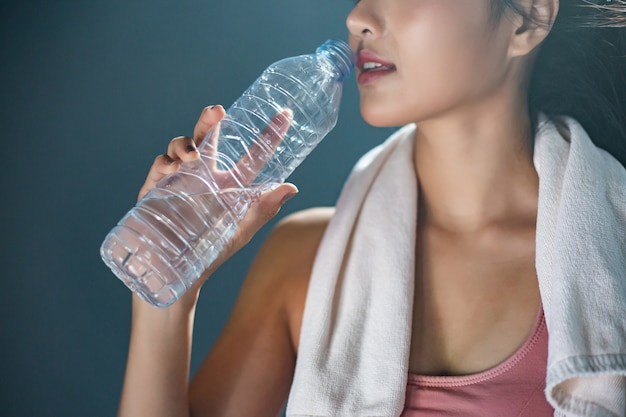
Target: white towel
{"points": [[355, 336]]}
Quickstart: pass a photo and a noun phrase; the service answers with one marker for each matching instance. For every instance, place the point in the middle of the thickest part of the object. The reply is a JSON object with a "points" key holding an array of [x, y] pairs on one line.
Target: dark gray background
{"points": [[90, 92]]}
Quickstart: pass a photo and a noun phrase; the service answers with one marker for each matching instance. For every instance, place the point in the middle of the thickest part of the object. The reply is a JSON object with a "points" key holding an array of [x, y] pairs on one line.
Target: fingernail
{"points": [[288, 197], [190, 148]]}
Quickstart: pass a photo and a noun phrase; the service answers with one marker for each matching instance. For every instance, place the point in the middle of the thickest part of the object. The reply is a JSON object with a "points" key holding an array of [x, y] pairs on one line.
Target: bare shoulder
{"points": [[302, 230], [293, 243], [260, 340], [289, 253]]}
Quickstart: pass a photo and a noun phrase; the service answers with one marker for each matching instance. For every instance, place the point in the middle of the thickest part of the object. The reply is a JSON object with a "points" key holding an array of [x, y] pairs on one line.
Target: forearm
{"points": [[157, 373]]}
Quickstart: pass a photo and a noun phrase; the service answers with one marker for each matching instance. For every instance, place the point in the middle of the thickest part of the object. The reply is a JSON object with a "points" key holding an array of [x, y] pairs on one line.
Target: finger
{"points": [[207, 129], [183, 148], [163, 165], [209, 147], [263, 210], [261, 151], [209, 117]]}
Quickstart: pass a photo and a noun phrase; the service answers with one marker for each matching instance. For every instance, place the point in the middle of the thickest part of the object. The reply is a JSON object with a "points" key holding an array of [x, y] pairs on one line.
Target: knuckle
{"points": [[178, 140], [268, 213], [164, 160]]}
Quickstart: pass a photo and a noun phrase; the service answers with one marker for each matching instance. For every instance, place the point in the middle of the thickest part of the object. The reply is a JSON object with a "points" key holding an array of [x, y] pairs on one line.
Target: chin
{"points": [[380, 117]]}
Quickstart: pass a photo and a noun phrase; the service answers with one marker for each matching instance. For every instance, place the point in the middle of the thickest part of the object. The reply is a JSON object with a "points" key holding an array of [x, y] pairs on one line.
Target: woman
{"points": [[472, 76]]}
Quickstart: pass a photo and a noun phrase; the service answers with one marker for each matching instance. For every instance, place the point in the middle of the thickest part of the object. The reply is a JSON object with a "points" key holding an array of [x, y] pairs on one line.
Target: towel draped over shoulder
{"points": [[355, 335]]}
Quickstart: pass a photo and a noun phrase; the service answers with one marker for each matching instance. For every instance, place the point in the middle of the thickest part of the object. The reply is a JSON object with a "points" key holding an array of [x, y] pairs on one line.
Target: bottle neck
{"points": [[340, 55]]}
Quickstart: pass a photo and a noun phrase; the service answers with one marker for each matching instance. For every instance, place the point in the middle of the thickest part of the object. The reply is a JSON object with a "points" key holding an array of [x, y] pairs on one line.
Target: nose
{"points": [[362, 21]]}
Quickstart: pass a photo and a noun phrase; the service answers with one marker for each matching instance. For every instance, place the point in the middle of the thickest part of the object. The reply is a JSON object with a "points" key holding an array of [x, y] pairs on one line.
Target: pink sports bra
{"points": [[513, 388]]}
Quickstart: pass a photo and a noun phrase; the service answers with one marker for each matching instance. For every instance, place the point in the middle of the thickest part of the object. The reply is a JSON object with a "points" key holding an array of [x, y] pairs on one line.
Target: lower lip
{"points": [[369, 77]]}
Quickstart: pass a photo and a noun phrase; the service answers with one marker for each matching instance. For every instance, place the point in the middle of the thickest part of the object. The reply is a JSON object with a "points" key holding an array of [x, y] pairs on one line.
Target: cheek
{"points": [[443, 61], [450, 64]]}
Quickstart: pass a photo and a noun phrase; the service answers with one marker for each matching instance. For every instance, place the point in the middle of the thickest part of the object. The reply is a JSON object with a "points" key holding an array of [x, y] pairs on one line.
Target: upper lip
{"points": [[364, 56]]}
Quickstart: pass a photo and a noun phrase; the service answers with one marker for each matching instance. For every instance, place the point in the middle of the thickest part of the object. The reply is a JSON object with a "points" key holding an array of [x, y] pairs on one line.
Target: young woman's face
{"points": [[421, 59]]}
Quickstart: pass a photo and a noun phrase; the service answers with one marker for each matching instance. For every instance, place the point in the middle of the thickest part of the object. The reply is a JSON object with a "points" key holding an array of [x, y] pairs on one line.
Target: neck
{"points": [[475, 169]]}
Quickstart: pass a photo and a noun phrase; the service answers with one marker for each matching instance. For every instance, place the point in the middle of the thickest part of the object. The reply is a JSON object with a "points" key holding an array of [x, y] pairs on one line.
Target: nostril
{"points": [[362, 22]]}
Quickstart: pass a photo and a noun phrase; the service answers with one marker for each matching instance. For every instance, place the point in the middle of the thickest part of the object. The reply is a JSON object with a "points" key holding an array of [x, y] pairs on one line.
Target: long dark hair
{"points": [[580, 69]]}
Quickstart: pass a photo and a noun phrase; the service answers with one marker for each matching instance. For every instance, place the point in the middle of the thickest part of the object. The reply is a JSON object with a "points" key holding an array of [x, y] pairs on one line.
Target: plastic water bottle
{"points": [[177, 230]]}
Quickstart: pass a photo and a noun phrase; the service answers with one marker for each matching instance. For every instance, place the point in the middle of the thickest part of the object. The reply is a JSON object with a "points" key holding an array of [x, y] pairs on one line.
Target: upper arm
{"points": [[250, 368]]}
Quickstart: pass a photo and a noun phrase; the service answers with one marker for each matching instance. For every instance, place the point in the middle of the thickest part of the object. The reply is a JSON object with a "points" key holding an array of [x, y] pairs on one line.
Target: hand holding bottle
{"points": [[181, 226], [183, 150]]}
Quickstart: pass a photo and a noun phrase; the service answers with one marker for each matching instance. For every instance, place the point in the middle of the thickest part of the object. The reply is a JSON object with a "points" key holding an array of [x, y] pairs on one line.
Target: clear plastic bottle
{"points": [[177, 230]]}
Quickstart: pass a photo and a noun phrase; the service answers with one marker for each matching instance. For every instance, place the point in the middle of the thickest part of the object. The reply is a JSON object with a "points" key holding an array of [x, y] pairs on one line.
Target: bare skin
{"points": [[476, 288], [163, 336], [476, 292]]}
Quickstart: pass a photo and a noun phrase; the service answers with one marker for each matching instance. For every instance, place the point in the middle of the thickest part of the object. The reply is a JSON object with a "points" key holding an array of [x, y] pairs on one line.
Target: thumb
{"points": [[263, 210]]}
